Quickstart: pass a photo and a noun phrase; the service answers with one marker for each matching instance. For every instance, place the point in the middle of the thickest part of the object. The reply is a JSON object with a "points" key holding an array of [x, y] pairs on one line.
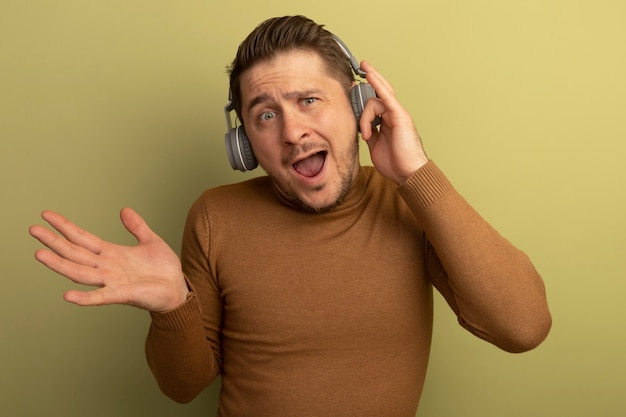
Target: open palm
{"points": [[147, 275]]}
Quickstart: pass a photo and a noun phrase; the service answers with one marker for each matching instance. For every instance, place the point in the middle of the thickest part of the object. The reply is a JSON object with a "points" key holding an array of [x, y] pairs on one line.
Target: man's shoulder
{"points": [[260, 184], [234, 196]]}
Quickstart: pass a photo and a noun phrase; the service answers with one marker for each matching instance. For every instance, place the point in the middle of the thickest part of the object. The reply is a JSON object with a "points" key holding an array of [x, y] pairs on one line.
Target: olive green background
{"points": [[107, 104]]}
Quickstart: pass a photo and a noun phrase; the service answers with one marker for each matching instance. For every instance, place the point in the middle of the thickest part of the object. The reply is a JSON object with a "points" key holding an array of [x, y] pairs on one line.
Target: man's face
{"points": [[302, 128]]}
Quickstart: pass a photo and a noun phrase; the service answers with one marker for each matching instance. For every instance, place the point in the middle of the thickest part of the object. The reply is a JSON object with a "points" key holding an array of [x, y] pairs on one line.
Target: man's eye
{"points": [[268, 115], [309, 100]]}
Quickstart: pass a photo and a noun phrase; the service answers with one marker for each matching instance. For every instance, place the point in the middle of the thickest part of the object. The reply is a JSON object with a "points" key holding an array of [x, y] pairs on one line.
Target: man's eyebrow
{"points": [[264, 97], [304, 93], [260, 99]]}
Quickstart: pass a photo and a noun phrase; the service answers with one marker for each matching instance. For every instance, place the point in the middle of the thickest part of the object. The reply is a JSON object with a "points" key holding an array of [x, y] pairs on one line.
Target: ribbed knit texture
{"points": [[425, 187]]}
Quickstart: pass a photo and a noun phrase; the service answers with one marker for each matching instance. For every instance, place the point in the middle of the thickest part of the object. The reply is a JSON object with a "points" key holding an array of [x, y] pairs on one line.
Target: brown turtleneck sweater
{"points": [[331, 314]]}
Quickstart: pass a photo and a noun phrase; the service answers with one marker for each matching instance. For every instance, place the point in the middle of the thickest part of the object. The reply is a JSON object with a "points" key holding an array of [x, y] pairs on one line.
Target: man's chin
{"points": [[320, 205], [318, 199], [311, 202], [320, 209]]}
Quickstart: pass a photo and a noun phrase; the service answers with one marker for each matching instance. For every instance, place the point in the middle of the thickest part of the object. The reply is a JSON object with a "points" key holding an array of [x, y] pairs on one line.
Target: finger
{"points": [[62, 246], [99, 297], [72, 232], [385, 93], [375, 78], [80, 274], [136, 225], [373, 108]]}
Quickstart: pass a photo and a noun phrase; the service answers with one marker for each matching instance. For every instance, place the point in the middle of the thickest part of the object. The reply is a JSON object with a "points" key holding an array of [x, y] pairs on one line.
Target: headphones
{"points": [[238, 149]]}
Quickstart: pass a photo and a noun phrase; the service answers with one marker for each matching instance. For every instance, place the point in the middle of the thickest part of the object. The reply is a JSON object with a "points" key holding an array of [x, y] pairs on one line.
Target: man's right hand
{"points": [[148, 275]]}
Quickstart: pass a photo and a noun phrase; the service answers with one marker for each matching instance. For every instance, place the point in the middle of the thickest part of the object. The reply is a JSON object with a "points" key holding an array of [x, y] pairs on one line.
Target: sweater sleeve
{"points": [[182, 346], [493, 288]]}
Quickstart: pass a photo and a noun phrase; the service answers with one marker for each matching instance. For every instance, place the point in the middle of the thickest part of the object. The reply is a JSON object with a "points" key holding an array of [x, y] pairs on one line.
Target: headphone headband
{"points": [[353, 62]]}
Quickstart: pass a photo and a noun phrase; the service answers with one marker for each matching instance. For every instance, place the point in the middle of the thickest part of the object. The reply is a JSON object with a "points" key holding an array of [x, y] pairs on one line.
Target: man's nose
{"points": [[294, 127]]}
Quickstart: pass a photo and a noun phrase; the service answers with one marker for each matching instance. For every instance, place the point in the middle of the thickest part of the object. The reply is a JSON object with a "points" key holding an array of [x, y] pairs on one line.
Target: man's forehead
{"points": [[291, 64], [288, 74]]}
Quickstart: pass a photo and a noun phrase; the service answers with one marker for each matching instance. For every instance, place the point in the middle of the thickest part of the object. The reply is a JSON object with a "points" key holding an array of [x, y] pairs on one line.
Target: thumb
{"points": [[136, 225]]}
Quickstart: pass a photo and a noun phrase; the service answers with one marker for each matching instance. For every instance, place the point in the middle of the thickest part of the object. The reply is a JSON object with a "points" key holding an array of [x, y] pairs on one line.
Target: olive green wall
{"points": [[106, 104]]}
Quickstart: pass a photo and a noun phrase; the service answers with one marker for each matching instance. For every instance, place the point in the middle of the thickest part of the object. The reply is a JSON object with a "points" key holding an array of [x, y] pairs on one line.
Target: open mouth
{"points": [[311, 166]]}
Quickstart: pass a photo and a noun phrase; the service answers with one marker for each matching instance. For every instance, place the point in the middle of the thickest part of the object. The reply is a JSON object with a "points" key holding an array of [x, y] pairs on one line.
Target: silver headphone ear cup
{"points": [[359, 95], [230, 139], [239, 151], [247, 155]]}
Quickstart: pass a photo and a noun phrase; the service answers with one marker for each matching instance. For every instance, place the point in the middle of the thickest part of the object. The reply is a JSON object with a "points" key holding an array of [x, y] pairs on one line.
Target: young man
{"points": [[309, 290]]}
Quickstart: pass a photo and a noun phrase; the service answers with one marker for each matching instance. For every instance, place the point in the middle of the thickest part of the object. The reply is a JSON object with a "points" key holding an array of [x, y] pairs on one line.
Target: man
{"points": [[309, 290]]}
